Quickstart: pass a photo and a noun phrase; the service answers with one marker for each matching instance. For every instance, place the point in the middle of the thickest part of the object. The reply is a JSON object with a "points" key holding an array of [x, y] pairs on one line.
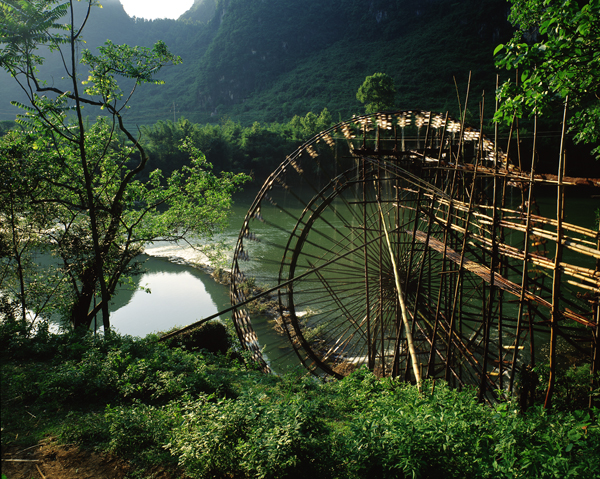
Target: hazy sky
{"points": [[156, 8]]}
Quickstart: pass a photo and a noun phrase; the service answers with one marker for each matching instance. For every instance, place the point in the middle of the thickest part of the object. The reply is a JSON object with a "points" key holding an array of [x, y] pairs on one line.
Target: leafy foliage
{"points": [[252, 436], [214, 418], [258, 148], [137, 63], [556, 51], [378, 93], [80, 194], [51, 215]]}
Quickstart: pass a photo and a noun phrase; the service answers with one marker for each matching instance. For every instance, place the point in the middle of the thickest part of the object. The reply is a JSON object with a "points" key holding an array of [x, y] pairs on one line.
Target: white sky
{"points": [[151, 9]]}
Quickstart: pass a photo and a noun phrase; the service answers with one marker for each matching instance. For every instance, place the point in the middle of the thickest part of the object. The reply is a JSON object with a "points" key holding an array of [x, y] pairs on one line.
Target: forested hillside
{"points": [[272, 59], [284, 58]]}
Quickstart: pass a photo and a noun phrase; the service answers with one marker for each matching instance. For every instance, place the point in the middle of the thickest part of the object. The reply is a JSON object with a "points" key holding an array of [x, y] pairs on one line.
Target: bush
{"points": [[571, 389], [89, 429], [253, 436], [140, 431], [542, 444], [154, 405], [397, 432], [394, 431]]}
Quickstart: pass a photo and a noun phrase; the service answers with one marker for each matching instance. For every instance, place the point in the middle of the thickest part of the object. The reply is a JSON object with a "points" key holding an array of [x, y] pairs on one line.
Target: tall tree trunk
{"points": [[17, 255], [89, 187], [80, 311]]}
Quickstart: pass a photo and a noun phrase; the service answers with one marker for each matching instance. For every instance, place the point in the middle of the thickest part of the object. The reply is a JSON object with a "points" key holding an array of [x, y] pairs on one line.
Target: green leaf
{"points": [[584, 29], [569, 447]]}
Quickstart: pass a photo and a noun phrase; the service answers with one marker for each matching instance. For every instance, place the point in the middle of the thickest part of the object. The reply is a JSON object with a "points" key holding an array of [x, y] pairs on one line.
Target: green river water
{"points": [[181, 294]]}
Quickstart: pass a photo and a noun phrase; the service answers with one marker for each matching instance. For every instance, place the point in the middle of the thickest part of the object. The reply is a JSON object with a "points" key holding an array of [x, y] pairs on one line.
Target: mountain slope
{"points": [[318, 57], [186, 38], [269, 60]]}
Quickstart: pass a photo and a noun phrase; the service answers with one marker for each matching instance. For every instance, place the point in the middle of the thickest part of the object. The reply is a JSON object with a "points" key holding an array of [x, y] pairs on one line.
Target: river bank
{"points": [[174, 269]]}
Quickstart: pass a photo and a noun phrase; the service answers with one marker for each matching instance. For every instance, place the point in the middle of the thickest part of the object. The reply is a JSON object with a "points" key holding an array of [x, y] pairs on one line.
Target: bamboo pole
{"points": [[409, 338], [460, 266], [398, 319], [447, 222], [595, 366], [424, 258], [493, 262], [538, 260], [370, 357], [524, 276], [442, 281], [381, 289], [557, 271]]}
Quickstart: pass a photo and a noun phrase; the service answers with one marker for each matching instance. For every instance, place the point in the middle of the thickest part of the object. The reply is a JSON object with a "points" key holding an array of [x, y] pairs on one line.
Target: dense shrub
{"points": [[140, 431], [90, 429], [253, 436], [215, 418], [398, 432], [395, 431], [571, 389]]}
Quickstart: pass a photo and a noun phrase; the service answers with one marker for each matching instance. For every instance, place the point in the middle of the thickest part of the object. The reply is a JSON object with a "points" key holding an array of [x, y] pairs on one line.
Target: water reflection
{"points": [[178, 296]]}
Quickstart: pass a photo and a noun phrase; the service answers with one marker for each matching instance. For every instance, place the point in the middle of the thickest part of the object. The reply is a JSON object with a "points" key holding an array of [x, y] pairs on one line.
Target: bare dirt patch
{"points": [[50, 461]]}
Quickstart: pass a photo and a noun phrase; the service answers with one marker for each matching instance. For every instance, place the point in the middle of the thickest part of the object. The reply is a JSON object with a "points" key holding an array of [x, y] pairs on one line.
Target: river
{"points": [[172, 293]]}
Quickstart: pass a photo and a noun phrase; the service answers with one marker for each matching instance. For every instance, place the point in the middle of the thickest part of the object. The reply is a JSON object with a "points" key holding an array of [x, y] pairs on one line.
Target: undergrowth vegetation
{"points": [[209, 415]]}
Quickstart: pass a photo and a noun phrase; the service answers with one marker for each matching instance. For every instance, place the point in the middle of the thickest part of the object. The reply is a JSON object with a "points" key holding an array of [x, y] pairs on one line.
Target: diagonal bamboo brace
{"points": [[409, 339]]}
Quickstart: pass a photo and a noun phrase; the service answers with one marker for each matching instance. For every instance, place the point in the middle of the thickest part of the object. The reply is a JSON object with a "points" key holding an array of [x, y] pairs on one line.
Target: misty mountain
{"points": [[268, 60]]}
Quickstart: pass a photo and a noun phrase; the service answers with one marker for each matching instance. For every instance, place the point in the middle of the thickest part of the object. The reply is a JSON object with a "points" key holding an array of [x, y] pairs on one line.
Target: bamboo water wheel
{"points": [[411, 244]]}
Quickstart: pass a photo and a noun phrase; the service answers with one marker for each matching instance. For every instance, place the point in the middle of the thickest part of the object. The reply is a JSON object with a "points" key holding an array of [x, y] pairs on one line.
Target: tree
{"points": [[21, 219], [556, 50], [377, 93], [163, 140], [97, 214]]}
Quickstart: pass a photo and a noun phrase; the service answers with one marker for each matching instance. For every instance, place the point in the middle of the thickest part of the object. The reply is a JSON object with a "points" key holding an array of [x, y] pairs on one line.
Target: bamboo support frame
{"points": [[556, 313], [470, 270]]}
